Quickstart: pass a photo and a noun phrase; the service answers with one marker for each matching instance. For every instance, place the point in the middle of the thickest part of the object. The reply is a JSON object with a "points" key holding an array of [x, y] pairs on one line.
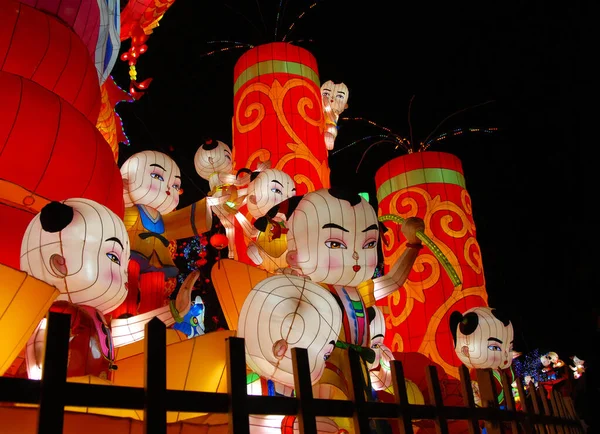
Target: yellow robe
{"points": [[149, 238]]}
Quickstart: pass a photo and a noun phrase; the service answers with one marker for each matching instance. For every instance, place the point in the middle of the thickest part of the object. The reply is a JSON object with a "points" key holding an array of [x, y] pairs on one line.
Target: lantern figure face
{"points": [[81, 248], [483, 338], [152, 179], [268, 189], [282, 312], [335, 96], [212, 157], [380, 369], [333, 240], [545, 359]]}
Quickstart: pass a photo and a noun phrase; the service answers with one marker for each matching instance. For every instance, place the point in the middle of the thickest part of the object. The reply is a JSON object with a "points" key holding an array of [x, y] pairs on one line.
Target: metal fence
{"points": [[52, 393]]}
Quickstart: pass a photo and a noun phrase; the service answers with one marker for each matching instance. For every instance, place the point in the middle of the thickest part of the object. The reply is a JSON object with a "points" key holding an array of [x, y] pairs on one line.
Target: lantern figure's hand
{"points": [[411, 226]]}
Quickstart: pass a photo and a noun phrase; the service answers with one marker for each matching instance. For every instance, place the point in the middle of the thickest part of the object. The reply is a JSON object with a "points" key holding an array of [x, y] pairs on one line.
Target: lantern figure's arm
{"points": [[431, 245], [391, 282], [190, 221]]}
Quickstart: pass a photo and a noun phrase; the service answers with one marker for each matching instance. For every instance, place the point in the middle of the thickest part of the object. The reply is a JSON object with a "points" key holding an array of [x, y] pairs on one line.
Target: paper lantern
{"points": [[66, 157], [483, 338], [24, 300], [233, 281], [380, 369], [91, 349], [82, 16], [430, 185], [81, 248], [132, 329], [212, 159], [282, 312], [40, 48], [109, 38], [218, 241]]}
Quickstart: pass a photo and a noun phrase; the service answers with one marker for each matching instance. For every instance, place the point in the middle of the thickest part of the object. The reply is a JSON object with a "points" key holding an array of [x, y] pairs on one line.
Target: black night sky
{"points": [[533, 183]]}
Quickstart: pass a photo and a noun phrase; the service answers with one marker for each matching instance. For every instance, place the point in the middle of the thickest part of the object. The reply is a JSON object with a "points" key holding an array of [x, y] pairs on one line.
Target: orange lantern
{"points": [[430, 185], [219, 241]]}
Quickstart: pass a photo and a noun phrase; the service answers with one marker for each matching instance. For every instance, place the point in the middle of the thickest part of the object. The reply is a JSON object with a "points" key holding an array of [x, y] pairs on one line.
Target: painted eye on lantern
{"points": [[339, 96], [157, 176], [370, 245], [114, 258], [176, 186], [335, 245], [228, 157], [494, 348], [276, 190]]}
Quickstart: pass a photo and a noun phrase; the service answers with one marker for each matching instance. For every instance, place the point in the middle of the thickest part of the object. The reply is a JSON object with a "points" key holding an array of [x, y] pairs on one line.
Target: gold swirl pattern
{"points": [[454, 226], [276, 93]]}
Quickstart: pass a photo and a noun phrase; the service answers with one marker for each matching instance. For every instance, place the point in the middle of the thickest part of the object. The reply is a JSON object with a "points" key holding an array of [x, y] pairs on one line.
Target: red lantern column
{"points": [[430, 185], [278, 116]]}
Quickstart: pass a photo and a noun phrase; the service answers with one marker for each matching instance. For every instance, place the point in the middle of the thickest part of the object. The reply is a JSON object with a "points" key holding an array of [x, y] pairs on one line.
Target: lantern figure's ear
{"points": [[56, 216], [469, 323]]}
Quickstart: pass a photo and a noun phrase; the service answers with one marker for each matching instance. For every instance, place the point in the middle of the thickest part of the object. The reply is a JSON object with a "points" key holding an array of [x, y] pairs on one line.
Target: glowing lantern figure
{"points": [[483, 338], [151, 183], [430, 185], [213, 163], [335, 101], [285, 311], [81, 248]]}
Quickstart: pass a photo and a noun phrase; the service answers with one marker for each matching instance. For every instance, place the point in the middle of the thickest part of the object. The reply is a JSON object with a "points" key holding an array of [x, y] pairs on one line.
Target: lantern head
{"points": [[380, 369], [213, 156], [333, 237], [81, 248], [267, 189], [483, 338], [286, 311], [335, 96], [152, 179]]}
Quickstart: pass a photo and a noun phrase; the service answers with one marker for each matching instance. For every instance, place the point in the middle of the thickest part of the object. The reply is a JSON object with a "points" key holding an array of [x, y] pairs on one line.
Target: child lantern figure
{"points": [[332, 250], [335, 101], [151, 188]]}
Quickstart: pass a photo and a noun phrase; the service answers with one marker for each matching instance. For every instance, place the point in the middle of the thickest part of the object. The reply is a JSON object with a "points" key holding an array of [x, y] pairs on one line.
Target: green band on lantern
{"points": [[417, 177], [273, 67]]}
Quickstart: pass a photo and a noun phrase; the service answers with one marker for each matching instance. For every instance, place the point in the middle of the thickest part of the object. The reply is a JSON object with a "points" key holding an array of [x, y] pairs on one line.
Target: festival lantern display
{"points": [[284, 311], [430, 185], [109, 122]]}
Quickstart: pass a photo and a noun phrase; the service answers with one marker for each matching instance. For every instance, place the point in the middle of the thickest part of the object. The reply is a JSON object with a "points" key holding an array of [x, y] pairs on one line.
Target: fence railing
{"points": [[52, 393]]}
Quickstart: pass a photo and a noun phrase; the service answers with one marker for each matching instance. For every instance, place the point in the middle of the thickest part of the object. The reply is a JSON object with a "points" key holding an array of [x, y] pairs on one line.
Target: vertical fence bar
{"points": [[489, 399], [155, 377], [557, 411], [54, 374], [360, 416], [239, 422], [525, 407], [401, 397], [302, 384], [435, 393], [468, 399], [536, 406], [546, 410], [509, 399]]}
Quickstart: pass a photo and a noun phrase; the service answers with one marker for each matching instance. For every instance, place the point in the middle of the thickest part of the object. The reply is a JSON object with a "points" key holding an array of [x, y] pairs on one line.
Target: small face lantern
{"points": [[269, 188], [483, 338], [213, 156], [335, 96], [333, 238], [82, 248], [152, 179]]}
